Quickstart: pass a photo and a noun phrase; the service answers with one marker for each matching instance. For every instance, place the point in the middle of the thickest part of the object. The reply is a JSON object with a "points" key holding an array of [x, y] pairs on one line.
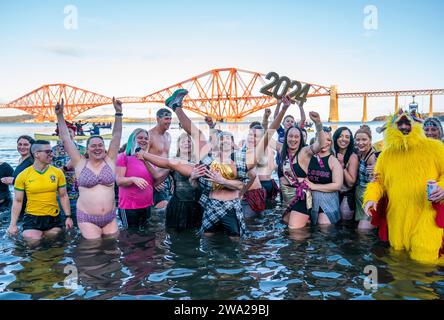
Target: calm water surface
{"points": [[316, 263]]}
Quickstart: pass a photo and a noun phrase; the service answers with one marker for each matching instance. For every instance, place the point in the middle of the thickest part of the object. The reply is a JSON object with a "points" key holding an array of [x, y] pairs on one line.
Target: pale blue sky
{"points": [[138, 47]]}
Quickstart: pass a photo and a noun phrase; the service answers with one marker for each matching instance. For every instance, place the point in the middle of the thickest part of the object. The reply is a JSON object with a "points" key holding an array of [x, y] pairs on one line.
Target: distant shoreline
{"points": [[105, 118]]}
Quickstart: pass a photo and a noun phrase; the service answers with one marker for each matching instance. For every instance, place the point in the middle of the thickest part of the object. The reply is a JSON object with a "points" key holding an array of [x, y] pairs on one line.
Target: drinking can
{"points": [[431, 186]]}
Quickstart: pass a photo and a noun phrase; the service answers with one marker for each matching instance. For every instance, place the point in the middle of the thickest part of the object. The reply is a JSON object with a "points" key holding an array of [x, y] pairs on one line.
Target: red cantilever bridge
{"points": [[224, 94]]}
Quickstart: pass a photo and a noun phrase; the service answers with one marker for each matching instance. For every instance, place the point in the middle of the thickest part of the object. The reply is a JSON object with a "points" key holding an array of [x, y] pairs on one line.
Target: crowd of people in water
{"points": [[211, 184]]}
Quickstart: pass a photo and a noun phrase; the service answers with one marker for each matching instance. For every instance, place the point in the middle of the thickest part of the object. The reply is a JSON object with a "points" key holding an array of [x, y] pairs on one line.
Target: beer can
{"points": [[431, 186]]}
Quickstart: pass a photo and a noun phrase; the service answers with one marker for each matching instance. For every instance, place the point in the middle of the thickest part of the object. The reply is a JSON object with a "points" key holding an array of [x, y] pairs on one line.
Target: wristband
{"points": [[119, 114]]}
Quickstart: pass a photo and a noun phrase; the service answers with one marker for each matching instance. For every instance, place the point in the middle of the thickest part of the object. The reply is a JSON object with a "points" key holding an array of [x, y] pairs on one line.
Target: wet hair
{"points": [[131, 145], [30, 140], [433, 122], [284, 150], [350, 148], [366, 130], [288, 116], [219, 135], [183, 136], [306, 133], [37, 144], [92, 137], [255, 124], [161, 112]]}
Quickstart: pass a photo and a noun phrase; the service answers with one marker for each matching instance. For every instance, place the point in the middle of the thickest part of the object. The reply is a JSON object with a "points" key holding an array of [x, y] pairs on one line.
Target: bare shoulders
{"points": [[334, 163], [372, 159], [354, 158]]}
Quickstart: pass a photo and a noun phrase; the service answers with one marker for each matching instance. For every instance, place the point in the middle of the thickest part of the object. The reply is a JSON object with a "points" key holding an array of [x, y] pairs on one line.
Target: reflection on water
{"points": [[272, 263]]}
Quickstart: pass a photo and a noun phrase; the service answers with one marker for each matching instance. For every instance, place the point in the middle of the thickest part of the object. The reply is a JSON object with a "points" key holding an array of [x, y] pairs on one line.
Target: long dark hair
{"points": [[284, 151], [31, 142], [350, 148]]}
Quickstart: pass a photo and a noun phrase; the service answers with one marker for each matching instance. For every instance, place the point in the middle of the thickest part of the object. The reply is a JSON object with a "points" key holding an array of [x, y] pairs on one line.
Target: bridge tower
{"points": [[364, 111], [334, 109]]}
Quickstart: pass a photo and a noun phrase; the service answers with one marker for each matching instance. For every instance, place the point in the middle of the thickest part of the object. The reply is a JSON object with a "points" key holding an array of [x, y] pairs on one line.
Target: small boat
{"points": [[49, 137]]}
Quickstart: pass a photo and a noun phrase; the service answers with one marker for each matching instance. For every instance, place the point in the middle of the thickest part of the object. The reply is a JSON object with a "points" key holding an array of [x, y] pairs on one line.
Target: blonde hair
{"points": [[183, 136]]}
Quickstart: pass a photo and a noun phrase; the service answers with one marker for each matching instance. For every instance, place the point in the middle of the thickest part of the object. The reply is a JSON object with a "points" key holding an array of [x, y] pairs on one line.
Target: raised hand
{"points": [[59, 107], [117, 105], [267, 112], [209, 122], [286, 101], [314, 116]]}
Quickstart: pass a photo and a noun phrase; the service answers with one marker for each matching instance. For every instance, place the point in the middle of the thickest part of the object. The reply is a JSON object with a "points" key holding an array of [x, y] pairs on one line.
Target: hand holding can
{"points": [[431, 186]]}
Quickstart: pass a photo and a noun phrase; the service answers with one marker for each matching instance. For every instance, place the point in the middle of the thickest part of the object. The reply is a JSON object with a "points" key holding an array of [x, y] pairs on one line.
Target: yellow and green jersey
{"points": [[41, 190]]}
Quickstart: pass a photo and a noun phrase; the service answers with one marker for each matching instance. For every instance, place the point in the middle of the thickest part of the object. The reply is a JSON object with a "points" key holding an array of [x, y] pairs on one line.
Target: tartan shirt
{"points": [[217, 209]]}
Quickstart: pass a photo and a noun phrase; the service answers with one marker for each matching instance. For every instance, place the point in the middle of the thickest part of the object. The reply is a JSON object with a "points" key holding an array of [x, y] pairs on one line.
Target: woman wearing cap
{"points": [[135, 182]]}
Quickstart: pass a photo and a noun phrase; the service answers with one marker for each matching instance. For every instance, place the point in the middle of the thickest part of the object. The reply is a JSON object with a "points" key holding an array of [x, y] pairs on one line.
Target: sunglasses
{"points": [[45, 151], [326, 129]]}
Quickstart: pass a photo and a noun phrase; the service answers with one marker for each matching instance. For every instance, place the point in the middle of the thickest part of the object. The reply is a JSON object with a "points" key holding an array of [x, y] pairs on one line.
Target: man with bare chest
{"points": [[160, 141]]}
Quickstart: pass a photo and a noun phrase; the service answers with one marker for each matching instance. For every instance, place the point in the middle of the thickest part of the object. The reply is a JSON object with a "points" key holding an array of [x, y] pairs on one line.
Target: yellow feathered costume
{"points": [[402, 171]]}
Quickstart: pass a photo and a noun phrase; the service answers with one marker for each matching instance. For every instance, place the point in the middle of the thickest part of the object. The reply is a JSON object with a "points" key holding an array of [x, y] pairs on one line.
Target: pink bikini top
{"points": [[88, 179]]}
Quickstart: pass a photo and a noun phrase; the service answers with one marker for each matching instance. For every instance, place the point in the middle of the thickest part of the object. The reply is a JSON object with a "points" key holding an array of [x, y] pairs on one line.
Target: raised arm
{"points": [[184, 169], [114, 145], [68, 144], [263, 143], [267, 114], [159, 174], [303, 117], [278, 108], [320, 137]]}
